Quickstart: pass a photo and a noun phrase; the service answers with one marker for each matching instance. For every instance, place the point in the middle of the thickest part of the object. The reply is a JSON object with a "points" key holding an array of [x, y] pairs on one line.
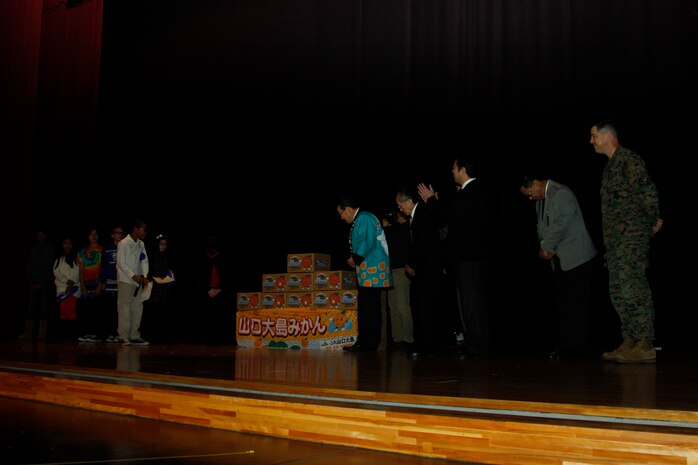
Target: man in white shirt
{"points": [[132, 271]]}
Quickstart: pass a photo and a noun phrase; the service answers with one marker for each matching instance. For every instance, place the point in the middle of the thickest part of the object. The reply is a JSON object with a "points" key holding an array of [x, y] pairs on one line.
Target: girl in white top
{"points": [[66, 272], [67, 278]]}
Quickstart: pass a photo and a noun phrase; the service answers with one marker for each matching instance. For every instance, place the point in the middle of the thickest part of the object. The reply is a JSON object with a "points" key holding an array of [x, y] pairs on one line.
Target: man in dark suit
{"points": [[425, 268], [564, 240], [467, 250]]}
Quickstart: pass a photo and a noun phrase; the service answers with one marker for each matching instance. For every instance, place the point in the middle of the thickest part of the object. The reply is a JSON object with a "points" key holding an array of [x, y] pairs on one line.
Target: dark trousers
{"points": [[428, 326], [110, 318], [573, 288], [90, 315], [215, 319], [41, 303], [370, 317], [471, 283]]}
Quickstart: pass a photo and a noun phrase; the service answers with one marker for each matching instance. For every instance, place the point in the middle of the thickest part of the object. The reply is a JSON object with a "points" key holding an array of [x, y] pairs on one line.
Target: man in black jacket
{"points": [[467, 250]]}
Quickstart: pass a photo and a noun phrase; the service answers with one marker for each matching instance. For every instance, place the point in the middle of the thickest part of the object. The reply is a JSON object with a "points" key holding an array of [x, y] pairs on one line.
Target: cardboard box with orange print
{"points": [[347, 299], [302, 299], [274, 282], [273, 300], [307, 262], [249, 301], [299, 282], [334, 280]]}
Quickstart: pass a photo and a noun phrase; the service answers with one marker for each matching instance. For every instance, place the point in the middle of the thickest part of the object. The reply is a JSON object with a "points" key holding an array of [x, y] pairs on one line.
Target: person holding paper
{"points": [[132, 268]]}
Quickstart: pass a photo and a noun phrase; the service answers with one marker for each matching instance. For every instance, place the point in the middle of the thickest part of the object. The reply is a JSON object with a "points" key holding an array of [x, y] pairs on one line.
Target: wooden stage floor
{"points": [[575, 398], [515, 376]]}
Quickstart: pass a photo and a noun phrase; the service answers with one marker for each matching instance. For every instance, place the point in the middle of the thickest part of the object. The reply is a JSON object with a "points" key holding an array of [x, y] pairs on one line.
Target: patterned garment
{"points": [[368, 241], [90, 261]]}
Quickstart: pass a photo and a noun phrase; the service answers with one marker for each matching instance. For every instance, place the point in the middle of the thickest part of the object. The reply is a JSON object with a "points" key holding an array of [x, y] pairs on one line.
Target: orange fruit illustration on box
{"points": [[306, 281], [254, 300], [306, 300], [307, 262], [334, 299], [279, 301], [257, 342], [334, 279], [280, 282], [340, 319]]}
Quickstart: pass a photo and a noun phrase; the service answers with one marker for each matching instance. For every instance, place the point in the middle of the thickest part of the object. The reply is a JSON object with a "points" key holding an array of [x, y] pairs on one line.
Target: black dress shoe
{"points": [[401, 345], [417, 353], [354, 348], [555, 353], [564, 353], [471, 355]]}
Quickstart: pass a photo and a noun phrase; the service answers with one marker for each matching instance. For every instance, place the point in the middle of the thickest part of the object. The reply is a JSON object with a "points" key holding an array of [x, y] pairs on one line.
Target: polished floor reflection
{"points": [[514, 375], [514, 407]]}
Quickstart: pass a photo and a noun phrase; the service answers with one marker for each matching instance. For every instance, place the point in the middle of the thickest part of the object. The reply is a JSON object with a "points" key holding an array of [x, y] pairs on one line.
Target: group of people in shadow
{"points": [[435, 261], [115, 291], [433, 258]]}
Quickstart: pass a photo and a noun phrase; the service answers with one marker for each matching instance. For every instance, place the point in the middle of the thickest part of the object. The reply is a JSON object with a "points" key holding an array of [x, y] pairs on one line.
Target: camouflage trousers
{"points": [[629, 289]]}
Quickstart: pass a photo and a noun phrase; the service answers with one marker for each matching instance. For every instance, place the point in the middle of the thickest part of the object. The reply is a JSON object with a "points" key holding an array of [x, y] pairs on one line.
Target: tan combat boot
{"points": [[643, 352], [626, 345]]}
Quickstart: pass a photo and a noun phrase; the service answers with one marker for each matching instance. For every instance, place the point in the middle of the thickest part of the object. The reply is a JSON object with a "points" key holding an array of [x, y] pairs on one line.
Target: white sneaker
{"points": [[139, 342]]}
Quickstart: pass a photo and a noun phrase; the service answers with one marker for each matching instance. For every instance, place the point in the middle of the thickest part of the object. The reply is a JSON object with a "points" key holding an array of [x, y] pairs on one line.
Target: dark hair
{"points": [[69, 257], [212, 242], [470, 166], [138, 223], [531, 176], [345, 202]]}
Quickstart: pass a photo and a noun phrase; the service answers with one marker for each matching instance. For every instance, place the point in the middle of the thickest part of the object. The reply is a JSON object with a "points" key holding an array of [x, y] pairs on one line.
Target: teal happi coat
{"points": [[368, 241]]}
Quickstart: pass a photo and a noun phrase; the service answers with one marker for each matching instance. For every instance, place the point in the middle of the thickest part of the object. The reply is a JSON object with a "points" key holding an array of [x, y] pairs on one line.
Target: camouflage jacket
{"points": [[629, 199]]}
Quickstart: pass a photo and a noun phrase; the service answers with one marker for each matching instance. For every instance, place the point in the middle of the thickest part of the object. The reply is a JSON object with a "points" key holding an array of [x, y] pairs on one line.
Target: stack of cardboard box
{"points": [[309, 283], [308, 307]]}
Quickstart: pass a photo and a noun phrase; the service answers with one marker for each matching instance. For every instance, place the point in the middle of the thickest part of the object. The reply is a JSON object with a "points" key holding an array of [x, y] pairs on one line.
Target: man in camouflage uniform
{"points": [[630, 217]]}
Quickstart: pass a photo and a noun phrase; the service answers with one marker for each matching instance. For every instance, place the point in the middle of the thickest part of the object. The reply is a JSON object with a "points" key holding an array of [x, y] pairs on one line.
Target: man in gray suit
{"points": [[564, 241]]}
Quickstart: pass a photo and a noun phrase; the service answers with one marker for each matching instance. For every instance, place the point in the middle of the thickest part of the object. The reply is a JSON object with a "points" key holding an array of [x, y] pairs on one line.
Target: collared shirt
{"points": [[131, 260], [466, 182]]}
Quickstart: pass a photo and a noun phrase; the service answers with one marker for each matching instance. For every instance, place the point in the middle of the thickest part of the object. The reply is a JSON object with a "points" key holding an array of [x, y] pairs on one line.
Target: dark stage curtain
{"points": [[20, 35], [49, 81], [374, 94]]}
